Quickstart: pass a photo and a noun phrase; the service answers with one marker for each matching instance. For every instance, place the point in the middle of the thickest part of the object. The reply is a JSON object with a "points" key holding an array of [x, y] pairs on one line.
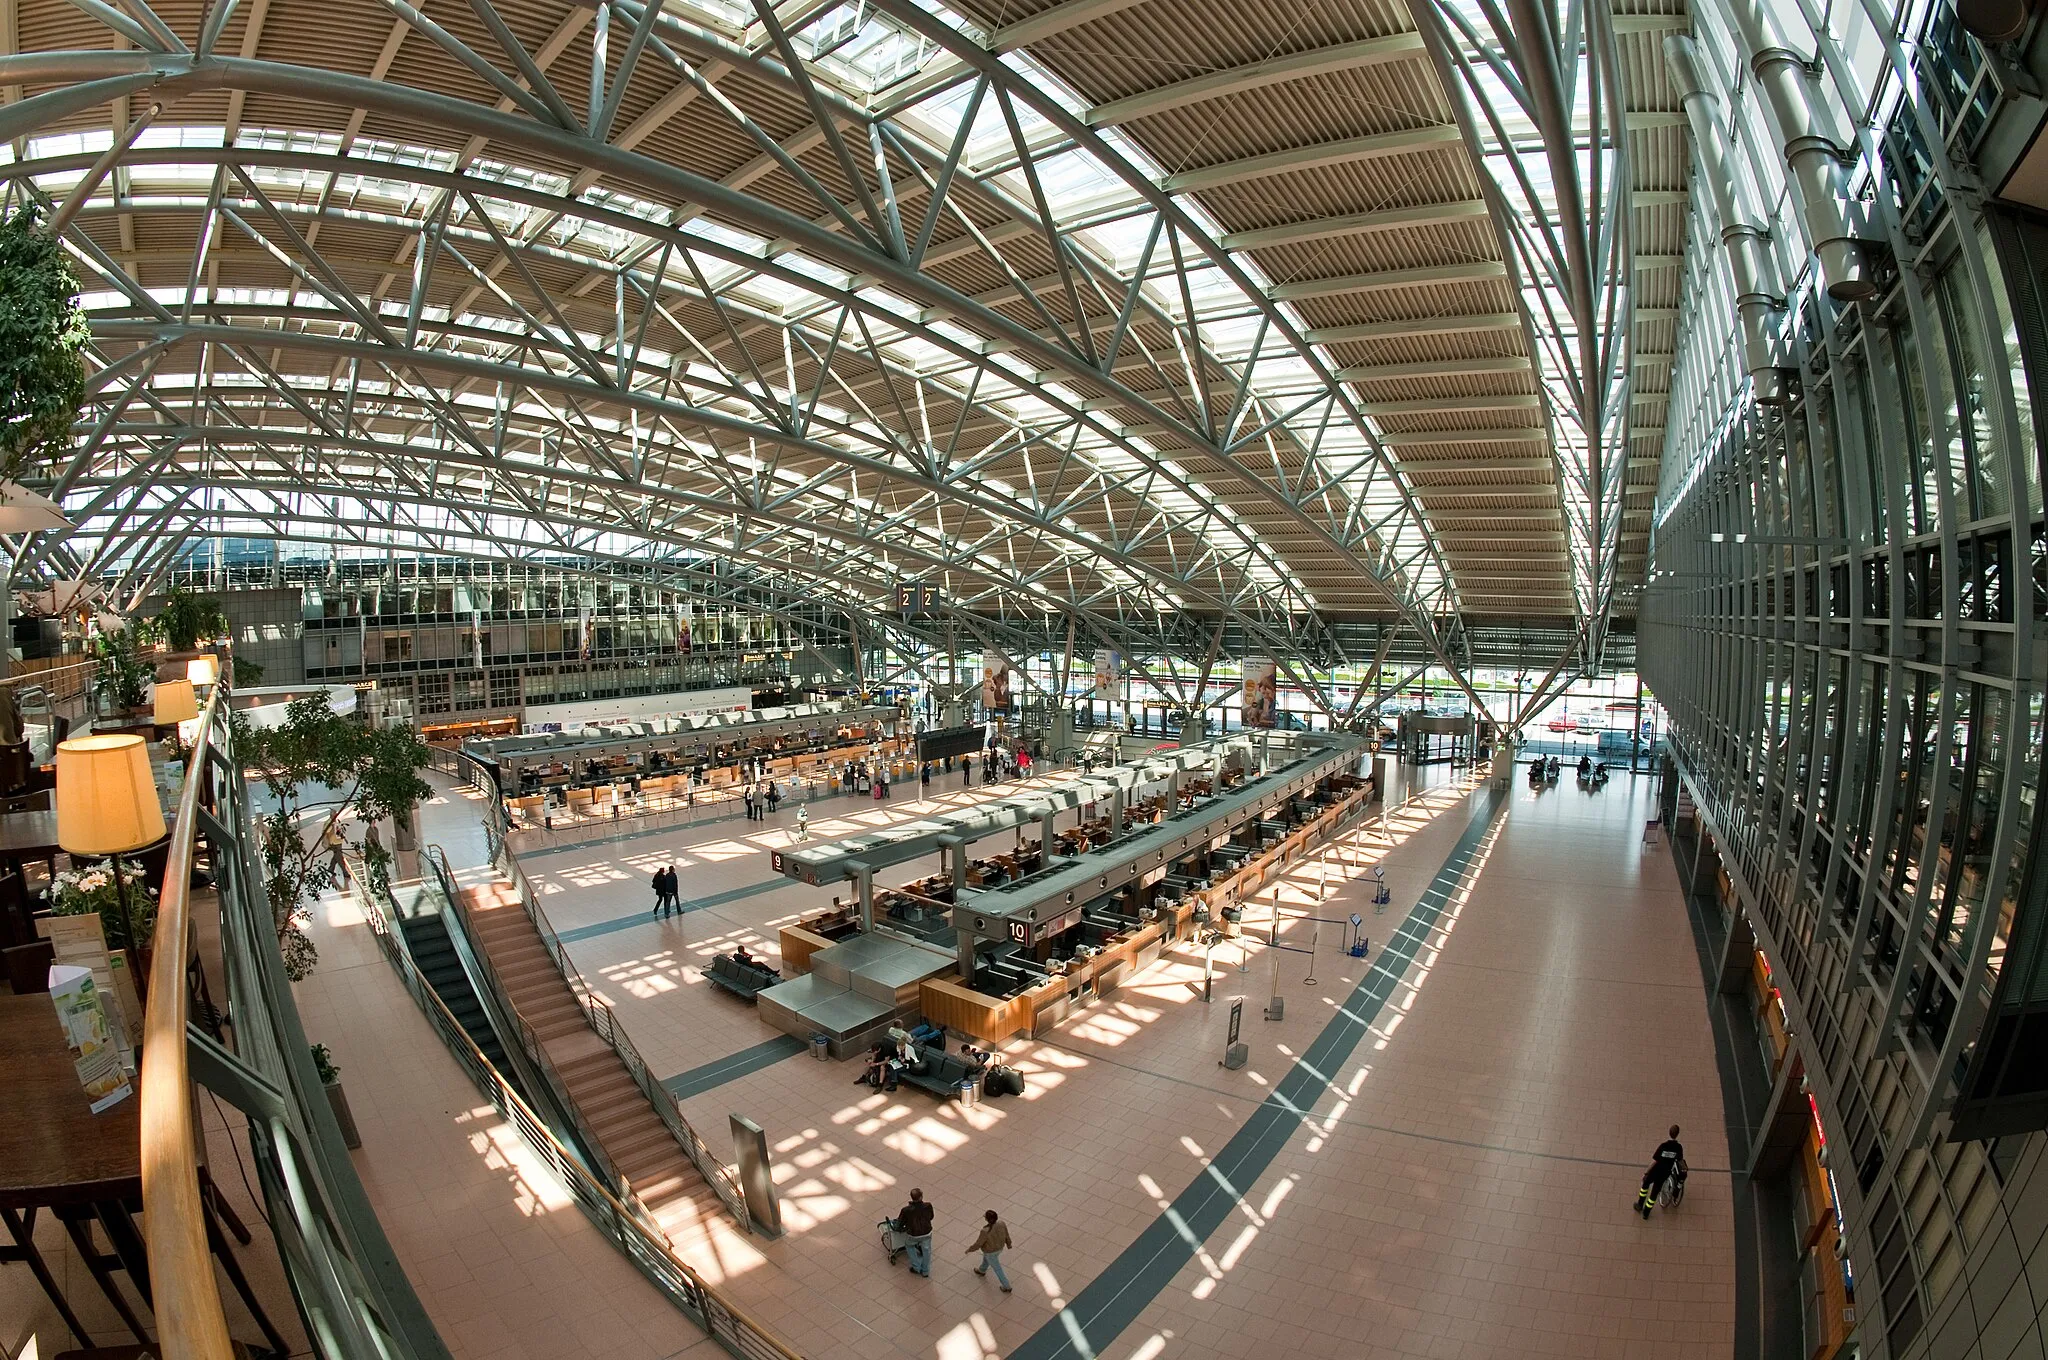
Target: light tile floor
{"points": [[503, 1260], [1469, 1198]]}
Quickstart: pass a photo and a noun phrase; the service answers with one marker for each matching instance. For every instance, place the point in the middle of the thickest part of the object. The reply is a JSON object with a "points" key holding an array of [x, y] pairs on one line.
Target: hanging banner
{"points": [[583, 633], [995, 685], [683, 628], [1261, 694], [476, 636], [1108, 668]]}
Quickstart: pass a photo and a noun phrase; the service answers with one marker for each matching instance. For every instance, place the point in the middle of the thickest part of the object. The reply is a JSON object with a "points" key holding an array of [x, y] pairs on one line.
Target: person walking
{"points": [[747, 796], [774, 797], [660, 890], [1666, 1162], [993, 1241], [914, 1221], [967, 772], [803, 822], [674, 885]]}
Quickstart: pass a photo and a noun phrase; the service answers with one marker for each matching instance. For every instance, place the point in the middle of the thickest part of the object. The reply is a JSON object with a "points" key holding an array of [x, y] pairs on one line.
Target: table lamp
{"points": [[175, 702], [107, 805], [203, 670]]}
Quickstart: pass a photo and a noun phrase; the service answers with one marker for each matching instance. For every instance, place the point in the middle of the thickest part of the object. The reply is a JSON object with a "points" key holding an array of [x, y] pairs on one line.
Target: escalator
{"points": [[424, 923]]}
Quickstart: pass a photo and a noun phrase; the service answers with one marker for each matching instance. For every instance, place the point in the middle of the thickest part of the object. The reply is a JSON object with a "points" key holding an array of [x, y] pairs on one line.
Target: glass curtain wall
{"points": [[1859, 562]]}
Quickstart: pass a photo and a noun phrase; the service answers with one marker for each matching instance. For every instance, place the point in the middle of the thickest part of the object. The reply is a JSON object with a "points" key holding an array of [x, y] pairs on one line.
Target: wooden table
{"points": [[28, 835], [55, 1153]]}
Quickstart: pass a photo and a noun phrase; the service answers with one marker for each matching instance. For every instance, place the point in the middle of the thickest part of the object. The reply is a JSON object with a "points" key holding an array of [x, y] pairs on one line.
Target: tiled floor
{"points": [[500, 1255], [1461, 1187]]}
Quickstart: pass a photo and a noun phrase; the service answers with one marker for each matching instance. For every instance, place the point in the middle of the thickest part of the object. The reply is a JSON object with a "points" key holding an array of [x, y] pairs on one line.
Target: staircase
{"points": [[426, 937], [609, 1103]]}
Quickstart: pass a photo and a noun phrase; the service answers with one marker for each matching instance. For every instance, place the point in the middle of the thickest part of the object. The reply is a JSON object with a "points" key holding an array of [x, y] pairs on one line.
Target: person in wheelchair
{"points": [[1667, 1164]]}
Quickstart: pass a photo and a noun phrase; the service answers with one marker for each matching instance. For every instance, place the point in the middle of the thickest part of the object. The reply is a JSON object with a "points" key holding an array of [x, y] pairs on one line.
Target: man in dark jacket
{"points": [[914, 1221]]}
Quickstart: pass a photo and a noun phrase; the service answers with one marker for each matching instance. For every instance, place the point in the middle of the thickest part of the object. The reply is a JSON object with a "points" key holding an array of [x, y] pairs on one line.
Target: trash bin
{"points": [[968, 1093], [821, 1047]]}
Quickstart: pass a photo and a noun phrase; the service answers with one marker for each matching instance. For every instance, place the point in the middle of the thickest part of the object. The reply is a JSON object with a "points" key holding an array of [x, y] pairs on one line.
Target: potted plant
{"points": [[313, 753], [187, 619], [127, 908], [121, 680], [43, 335], [337, 1099]]}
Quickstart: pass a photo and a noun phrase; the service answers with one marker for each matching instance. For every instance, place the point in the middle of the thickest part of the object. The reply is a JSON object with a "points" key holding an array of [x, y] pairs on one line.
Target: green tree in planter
{"points": [[186, 618], [317, 756], [123, 677], [43, 335]]}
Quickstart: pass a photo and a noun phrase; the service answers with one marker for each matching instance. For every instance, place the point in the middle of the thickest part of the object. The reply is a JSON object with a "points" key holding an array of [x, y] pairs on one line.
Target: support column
{"points": [[1737, 958], [1783, 1131], [958, 848], [865, 882]]}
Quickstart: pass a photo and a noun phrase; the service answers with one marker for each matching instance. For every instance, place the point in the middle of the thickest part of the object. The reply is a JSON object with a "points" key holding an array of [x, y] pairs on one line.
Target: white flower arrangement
{"points": [[80, 891]]}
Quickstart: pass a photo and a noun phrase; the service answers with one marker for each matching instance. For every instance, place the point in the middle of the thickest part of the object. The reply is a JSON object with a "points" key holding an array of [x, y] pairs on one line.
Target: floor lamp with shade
{"points": [[176, 702], [107, 806]]}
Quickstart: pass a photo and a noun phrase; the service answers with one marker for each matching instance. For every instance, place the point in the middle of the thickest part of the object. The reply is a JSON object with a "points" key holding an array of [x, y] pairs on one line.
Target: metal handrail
{"points": [[642, 1242], [602, 1019], [499, 1007], [192, 1324]]}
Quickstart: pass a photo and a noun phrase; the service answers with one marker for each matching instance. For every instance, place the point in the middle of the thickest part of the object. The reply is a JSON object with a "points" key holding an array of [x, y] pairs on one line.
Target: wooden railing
{"points": [[191, 1323], [351, 1295]]}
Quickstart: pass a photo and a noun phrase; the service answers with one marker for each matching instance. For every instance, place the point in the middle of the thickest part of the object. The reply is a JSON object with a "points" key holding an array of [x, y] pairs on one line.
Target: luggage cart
{"points": [[893, 1242]]}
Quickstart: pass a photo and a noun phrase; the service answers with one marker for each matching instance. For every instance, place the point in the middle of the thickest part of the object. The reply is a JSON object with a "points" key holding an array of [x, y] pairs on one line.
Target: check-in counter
{"points": [[1274, 860], [991, 1019], [812, 933]]}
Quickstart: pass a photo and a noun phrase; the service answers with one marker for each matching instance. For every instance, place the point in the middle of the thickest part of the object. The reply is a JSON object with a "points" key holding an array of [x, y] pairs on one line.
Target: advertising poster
{"points": [[584, 632], [1261, 694], [1108, 666], [995, 685], [81, 1010]]}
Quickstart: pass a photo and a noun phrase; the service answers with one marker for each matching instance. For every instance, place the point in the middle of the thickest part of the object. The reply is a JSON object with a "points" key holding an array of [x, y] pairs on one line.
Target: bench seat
{"points": [[942, 1073], [741, 979]]}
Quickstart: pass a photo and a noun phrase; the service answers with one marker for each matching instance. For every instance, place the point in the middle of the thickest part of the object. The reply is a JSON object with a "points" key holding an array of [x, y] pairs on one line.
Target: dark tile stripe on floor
{"points": [[1113, 1301], [648, 918], [733, 1066]]}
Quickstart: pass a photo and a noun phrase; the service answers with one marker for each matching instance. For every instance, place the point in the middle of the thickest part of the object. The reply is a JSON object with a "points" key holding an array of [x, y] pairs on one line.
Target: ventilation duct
{"points": [[1995, 21], [1741, 241], [1818, 179]]}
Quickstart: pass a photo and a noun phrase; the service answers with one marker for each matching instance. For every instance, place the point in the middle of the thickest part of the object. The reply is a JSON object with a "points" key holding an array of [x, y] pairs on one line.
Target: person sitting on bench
{"points": [[741, 957], [877, 1072]]}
